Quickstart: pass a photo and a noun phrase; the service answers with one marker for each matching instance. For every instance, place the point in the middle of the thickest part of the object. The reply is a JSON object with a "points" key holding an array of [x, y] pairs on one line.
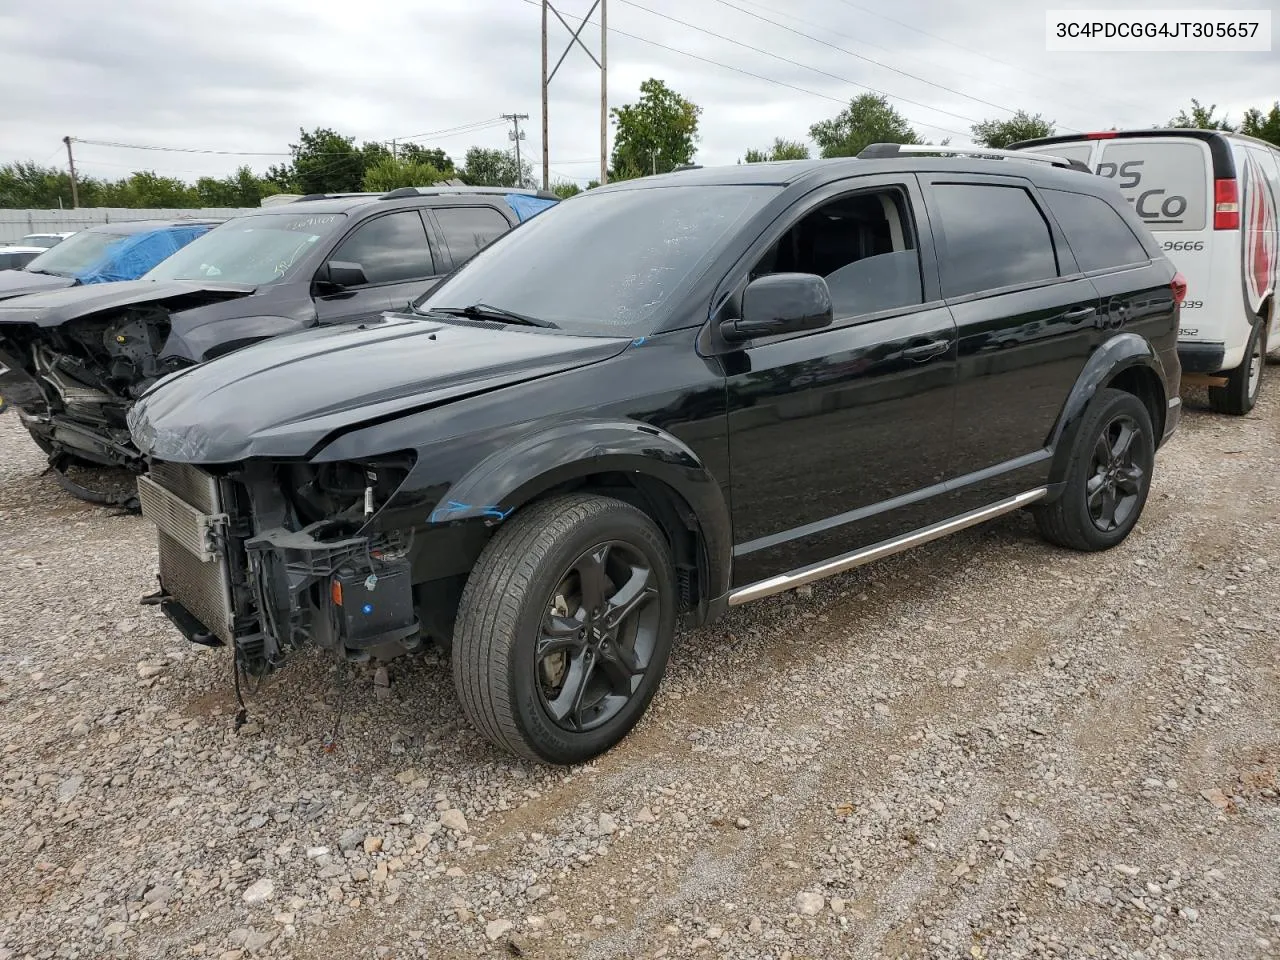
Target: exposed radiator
{"points": [[184, 504]]}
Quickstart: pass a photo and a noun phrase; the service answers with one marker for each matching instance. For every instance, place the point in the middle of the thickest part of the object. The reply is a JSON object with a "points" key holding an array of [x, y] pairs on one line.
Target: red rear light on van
{"points": [[1101, 135], [1226, 205], [1179, 286]]}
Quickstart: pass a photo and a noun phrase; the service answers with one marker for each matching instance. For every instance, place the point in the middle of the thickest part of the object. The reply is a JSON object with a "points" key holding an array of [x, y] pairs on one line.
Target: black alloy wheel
{"points": [[564, 628], [1119, 478], [598, 637]]}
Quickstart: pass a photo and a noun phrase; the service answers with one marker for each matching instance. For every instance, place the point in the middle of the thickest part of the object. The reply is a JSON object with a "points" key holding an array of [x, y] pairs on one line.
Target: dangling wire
{"points": [[242, 714]]}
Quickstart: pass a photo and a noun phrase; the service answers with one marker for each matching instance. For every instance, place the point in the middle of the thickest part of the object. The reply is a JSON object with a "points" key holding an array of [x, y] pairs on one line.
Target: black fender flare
{"points": [[208, 340], [1122, 352], [503, 482]]}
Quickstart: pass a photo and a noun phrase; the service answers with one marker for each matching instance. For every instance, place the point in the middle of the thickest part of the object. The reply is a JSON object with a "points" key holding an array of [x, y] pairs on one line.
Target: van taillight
{"points": [[1226, 205], [1179, 285]]}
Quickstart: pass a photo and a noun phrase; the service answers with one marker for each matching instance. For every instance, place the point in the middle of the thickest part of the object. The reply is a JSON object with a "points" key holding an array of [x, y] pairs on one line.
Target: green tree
{"points": [[494, 168], [781, 150], [1264, 126], [1201, 118], [654, 135], [389, 173], [326, 162], [565, 189], [419, 154], [1021, 126], [868, 119]]}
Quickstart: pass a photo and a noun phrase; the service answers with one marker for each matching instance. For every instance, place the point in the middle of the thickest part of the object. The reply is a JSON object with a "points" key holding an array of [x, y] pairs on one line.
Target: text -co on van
{"points": [[1211, 199]]}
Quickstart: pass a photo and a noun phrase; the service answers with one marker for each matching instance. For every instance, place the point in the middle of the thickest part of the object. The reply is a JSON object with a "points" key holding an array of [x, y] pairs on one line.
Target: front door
{"points": [[839, 438], [393, 253]]}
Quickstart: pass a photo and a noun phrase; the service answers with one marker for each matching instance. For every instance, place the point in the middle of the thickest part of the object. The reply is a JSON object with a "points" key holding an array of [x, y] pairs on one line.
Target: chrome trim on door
{"points": [[886, 548]]}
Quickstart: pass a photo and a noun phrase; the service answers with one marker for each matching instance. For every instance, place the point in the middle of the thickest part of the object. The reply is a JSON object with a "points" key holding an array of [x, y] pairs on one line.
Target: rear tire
{"points": [[1244, 382], [564, 628], [1108, 476]]}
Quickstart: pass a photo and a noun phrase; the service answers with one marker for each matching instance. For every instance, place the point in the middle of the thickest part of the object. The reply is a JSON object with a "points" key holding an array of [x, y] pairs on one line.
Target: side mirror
{"points": [[780, 303], [340, 274]]}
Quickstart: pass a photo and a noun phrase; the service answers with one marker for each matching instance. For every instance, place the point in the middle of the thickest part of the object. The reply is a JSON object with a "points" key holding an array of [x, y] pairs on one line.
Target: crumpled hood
{"points": [[59, 306], [283, 397], [17, 283]]}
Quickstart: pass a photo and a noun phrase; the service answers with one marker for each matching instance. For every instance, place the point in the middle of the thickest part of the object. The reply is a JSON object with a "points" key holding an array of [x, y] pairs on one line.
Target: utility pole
{"points": [[517, 136], [71, 164], [601, 61]]}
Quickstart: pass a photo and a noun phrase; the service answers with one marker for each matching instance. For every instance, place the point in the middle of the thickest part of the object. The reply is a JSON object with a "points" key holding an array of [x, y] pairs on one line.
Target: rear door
{"points": [[393, 252], [1025, 317], [1169, 183]]}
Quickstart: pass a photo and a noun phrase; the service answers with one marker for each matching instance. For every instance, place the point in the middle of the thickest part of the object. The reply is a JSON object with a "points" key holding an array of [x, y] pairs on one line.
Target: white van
{"points": [[1211, 199]]}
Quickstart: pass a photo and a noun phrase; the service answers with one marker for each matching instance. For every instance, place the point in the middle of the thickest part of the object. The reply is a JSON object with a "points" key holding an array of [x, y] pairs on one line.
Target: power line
{"points": [[959, 46], [748, 73], [876, 46], [475, 127], [851, 53]]}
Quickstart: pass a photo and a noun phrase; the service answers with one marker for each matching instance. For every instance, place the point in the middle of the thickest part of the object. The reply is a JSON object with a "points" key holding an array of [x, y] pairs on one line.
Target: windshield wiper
{"points": [[49, 273], [485, 311]]}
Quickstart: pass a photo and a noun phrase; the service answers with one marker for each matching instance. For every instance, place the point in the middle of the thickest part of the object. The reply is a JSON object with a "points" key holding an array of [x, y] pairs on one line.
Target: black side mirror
{"points": [[340, 274], [780, 303]]}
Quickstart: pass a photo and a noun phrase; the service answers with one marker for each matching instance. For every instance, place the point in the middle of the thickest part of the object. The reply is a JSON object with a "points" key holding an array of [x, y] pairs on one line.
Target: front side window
{"points": [[608, 262], [862, 244], [254, 249], [1098, 235], [995, 237], [467, 230], [389, 249]]}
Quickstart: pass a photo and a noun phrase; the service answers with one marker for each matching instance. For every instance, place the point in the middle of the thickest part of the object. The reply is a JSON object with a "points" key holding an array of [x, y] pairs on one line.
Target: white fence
{"points": [[17, 223]]}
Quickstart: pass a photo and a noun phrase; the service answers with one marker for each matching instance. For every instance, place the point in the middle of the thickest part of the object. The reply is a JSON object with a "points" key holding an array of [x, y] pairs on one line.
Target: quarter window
{"points": [[468, 229], [995, 237], [389, 249], [1098, 235]]}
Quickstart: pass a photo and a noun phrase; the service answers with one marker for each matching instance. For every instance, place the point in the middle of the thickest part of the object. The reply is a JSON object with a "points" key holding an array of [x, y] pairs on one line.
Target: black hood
{"points": [[283, 397], [17, 283], [59, 306]]}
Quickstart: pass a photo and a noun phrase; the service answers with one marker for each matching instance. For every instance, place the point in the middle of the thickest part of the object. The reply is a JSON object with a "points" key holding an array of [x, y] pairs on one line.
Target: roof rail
{"points": [[445, 188], [332, 196], [686, 166], [877, 151]]}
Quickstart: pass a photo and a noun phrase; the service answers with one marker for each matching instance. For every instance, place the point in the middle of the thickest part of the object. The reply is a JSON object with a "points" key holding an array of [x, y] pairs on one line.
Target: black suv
{"points": [[659, 399], [77, 358]]}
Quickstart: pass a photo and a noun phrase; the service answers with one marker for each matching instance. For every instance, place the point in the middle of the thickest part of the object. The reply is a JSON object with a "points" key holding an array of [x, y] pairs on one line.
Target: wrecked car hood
{"points": [[17, 283], [59, 306], [283, 397]]}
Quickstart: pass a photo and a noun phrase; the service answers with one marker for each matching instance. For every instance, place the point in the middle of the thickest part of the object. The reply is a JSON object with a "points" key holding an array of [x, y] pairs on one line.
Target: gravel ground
{"points": [[986, 748]]}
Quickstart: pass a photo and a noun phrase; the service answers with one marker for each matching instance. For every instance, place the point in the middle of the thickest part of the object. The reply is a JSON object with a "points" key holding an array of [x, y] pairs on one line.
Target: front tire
{"points": [[1244, 382], [1108, 476], [564, 628]]}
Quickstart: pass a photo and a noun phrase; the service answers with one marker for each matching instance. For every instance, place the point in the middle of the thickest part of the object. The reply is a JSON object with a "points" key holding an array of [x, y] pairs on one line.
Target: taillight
{"points": [[1101, 135], [1179, 285], [1226, 205]]}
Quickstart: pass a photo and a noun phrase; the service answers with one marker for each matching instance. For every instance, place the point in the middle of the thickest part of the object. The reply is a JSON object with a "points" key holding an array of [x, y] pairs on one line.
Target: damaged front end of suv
{"points": [[73, 363]]}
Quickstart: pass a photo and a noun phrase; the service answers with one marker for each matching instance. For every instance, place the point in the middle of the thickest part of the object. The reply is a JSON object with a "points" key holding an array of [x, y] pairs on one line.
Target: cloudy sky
{"points": [[244, 75]]}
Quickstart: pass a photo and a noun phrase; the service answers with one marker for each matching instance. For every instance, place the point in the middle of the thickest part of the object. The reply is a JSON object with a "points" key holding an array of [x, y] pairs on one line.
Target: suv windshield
{"points": [[74, 255], [259, 248], [607, 263]]}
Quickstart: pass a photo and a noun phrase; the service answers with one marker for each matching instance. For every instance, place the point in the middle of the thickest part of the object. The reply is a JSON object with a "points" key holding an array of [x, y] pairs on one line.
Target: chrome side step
{"points": [[886, 548]]}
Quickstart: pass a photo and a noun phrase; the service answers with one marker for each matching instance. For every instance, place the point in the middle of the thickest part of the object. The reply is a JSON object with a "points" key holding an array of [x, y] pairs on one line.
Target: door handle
{"points": [[926, 350], [1075, 316]]}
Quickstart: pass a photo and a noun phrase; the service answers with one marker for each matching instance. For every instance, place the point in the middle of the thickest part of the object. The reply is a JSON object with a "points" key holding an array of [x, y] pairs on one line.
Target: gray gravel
{"points": [[986, 748]]}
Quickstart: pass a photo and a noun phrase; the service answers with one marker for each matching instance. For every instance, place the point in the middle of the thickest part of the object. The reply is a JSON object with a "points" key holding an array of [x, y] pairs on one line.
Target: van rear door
{"points": [[1169, 182]]}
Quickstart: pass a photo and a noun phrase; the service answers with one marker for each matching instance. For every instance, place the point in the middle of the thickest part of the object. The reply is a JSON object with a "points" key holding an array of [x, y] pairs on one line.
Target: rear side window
{"points": [[1166, 181], [1098, 235], [995, 236], [468, 229]]}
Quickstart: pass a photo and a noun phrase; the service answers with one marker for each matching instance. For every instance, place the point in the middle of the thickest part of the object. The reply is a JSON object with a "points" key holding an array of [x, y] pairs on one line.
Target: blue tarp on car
{"points": [[526, 206], [137, 253]]}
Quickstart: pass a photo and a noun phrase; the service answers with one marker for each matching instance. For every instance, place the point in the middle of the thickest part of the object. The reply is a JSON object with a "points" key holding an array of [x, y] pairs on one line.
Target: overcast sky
{"points": [[244, 75]]}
